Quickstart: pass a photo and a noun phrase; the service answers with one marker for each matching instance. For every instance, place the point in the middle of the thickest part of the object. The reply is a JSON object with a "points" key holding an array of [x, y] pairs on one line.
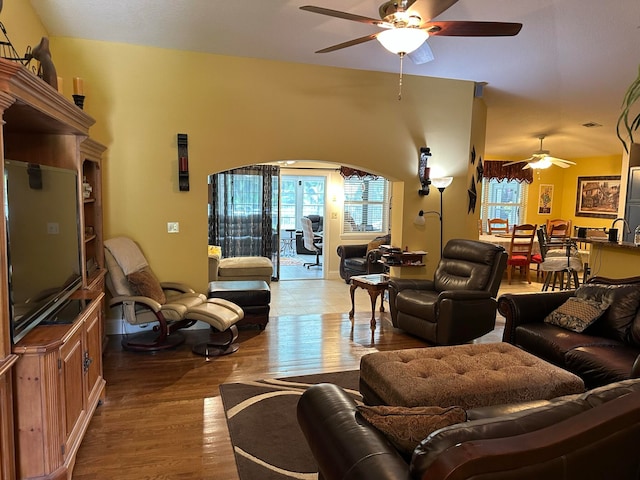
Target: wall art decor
{"points": [[473, 155], [473, 196], [479, 170], [598, 196], [545, 199]]}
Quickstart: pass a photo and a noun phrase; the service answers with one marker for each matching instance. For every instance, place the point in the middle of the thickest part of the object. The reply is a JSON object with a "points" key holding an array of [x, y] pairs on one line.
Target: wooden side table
{"points": [[375, 284]]}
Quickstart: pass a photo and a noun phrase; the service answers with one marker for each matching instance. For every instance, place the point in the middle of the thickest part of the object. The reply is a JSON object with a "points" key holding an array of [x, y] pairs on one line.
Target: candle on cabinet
{"points": [[59, 84], [78, 86]]}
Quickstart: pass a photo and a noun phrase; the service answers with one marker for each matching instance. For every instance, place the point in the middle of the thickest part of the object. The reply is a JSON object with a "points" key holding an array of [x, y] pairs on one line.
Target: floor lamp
{"points": [[440, 183]]}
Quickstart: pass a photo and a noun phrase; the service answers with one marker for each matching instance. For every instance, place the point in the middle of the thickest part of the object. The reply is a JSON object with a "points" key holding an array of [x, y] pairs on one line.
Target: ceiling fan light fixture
{"points": [[541, 164], [402, 40]]}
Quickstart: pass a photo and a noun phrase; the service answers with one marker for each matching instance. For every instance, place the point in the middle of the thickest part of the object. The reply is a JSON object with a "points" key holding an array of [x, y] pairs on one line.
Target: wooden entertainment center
{"points": [[51, 380]]}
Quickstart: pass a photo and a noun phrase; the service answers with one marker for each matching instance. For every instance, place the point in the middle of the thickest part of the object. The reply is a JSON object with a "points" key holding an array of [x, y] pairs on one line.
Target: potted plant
{"points": [[629, 124]]}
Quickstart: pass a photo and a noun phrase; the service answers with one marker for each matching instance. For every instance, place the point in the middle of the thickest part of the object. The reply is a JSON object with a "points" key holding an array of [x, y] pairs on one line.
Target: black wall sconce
{"points": [[183, 162], [423, 171]]}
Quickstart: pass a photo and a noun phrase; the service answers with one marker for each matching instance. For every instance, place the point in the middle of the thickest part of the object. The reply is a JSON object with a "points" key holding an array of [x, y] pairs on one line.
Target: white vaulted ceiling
{"points": [[570, 64]]}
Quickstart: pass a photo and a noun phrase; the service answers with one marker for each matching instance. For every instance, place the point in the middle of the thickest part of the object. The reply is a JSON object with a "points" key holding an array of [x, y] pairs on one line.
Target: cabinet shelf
{"points": [[89, 238]]}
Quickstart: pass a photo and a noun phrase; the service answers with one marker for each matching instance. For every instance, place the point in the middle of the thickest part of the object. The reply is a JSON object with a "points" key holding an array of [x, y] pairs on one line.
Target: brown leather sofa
{"points": [[587, 436], [607, 351], [359, 260], [459, 304]]}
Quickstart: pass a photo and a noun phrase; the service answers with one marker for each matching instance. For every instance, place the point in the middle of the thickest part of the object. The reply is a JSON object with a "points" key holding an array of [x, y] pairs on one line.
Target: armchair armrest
{"points": [[521, 308], [399, 284], [133, 300], [461, 295], [214, 261], [176, 286], [349, 251]]}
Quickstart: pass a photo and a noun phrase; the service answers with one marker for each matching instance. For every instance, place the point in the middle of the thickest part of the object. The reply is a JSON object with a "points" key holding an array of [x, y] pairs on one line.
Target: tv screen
{"points": [[41, 212]]}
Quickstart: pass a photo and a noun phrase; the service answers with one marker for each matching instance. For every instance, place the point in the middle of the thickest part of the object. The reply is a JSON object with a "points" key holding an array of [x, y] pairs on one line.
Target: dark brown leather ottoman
{"points": [[469, 376], [253, 296]]}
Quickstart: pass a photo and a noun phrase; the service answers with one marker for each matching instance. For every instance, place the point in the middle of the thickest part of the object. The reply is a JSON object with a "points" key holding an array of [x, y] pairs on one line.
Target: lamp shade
{"points": [[419, 220], [442, 182], [402, 40]]}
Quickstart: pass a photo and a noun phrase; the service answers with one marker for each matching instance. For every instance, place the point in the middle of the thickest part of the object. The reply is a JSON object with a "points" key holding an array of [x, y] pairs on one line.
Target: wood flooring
{"points": [[163, 418]]}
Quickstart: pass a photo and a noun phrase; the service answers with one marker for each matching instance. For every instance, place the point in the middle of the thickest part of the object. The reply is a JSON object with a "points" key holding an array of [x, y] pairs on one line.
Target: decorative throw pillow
{"points": [[406, 427], [624, 301], [375, 243], [576, 314], [145, 283]]}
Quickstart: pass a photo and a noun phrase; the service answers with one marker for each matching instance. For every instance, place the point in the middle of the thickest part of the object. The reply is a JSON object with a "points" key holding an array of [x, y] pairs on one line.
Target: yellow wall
{"points": [[23, 26], [565, 182], [240, 111]]}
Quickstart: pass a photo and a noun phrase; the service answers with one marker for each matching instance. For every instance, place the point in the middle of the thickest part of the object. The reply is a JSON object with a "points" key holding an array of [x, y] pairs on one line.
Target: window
{"points": [[300, 196], [366, 205], [506, 199]]}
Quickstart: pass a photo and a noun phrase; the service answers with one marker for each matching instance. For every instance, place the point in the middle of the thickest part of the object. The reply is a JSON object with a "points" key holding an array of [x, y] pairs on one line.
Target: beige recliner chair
{"points": [[144, 300]]}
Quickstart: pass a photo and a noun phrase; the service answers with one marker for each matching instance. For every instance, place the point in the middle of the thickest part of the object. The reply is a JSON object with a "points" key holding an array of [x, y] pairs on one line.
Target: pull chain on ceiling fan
{"points": [[405, 31]]}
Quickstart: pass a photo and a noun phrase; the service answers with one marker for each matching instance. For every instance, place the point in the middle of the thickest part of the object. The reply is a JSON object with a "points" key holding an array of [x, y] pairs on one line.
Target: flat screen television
{"points": [[43, 242]]}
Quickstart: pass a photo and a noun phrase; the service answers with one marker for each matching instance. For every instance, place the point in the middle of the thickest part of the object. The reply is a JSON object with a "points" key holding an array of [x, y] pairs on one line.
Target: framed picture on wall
{"points": [[598, 196], [545, 199]]}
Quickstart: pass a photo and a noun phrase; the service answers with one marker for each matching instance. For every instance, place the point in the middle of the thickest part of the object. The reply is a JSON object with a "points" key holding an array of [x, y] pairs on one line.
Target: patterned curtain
{"points": [[348, 172], [496, 169], [243, 212]]}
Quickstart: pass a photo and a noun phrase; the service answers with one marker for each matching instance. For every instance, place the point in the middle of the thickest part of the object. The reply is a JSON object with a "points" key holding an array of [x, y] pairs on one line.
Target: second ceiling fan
{"points": [[406, 31]]}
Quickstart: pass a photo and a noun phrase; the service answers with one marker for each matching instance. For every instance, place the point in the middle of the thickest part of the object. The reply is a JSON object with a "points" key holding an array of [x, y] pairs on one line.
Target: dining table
{"points": [[504, 240]]}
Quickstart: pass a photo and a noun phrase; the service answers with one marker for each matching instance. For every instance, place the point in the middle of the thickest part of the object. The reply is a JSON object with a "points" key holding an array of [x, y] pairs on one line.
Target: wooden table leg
{"points": [[353, 307], [374, 296]]}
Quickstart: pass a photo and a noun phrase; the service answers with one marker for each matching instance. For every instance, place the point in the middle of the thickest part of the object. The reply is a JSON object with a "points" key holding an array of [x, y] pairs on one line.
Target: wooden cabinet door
{"points": [[73, 400], [93, 353]]}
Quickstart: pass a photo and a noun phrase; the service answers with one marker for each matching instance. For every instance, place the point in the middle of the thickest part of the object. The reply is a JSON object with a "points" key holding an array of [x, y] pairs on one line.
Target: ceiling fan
{"points": [[405, 31], [541, 159]]}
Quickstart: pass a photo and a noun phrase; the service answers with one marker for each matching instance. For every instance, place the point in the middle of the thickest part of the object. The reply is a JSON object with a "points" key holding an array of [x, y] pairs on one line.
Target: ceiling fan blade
{"points": [[472, 29], [432, 8], [517, 161], [422, 55], [561, 162], [350, 43], [346, 16]]}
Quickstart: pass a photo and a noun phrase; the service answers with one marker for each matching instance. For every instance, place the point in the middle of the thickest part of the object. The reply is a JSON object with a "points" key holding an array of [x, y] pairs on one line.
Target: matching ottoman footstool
{"points": [[468, 376], [253, 296]]}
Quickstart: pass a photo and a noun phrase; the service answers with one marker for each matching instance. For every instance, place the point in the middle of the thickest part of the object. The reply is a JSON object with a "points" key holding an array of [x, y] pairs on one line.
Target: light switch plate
{"points": [[173, 227]]}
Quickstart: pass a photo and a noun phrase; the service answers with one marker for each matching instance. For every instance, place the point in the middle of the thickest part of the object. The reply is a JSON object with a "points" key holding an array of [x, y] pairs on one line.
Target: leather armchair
{"points": [[358, 260], [459, 304]]}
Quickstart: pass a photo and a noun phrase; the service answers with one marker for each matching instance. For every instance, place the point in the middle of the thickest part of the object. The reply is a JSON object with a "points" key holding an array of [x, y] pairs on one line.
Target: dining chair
{"points": [[558, 229], [520, 250], [497, 225]]}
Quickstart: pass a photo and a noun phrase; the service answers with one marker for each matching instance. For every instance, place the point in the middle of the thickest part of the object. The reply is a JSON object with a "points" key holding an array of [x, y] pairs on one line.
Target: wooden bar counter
{"points": [[613, 259]]}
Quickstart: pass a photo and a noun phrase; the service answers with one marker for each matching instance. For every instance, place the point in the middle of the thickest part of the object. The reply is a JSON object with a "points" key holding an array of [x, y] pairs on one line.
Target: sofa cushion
{"points": [[552, 343], [405, 427], [145, 283], [576, 314], [624, 301], [418, 303], [601, 364]]}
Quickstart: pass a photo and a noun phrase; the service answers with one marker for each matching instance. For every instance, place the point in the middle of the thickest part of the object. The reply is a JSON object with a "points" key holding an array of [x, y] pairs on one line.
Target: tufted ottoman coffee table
{"points": [[470, 375]]}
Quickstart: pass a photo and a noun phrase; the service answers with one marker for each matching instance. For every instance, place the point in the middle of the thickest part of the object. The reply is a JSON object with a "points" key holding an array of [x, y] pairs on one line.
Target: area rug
{"points": [[261, 415], [290, 261]]}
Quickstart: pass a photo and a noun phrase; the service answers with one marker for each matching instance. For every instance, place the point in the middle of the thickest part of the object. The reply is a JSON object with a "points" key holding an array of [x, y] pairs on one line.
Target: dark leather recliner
{"points": [[459, 304], [359, 260]]}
